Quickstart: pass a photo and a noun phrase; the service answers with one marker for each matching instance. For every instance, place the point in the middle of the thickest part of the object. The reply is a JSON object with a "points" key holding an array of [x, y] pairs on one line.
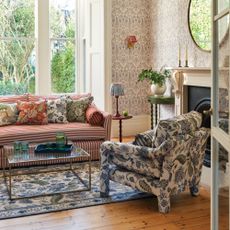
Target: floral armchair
{"points": [[161, 162]]}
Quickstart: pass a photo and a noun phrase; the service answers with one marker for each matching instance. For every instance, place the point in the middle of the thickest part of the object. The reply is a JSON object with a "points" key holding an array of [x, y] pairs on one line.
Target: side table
{"points": [[157, 101], [120, 119]]}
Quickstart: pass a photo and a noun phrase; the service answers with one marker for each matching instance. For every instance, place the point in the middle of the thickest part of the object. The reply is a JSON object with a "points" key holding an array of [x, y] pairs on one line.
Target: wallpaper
{"points": [[131, 17], [159, 25]]}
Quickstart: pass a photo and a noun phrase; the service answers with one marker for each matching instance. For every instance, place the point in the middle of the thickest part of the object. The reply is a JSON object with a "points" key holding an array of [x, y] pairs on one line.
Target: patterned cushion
{"points": [[94, 116], [76, 109], [56, 111], [179, 125], [32, 113], [8, 114], [145, 138]]}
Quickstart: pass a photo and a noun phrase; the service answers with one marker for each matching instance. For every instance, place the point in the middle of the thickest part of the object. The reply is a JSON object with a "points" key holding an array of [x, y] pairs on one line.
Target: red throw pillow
{"points": [[32, 113], [94, 116]]}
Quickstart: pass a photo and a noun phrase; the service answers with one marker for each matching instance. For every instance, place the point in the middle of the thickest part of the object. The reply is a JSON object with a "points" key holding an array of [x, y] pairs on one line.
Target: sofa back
{"points": [[180, 125], [13, 99]]}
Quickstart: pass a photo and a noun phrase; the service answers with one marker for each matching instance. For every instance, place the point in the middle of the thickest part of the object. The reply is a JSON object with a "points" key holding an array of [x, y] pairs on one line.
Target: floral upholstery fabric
{"points": [[33, 113], [56, 110], [183, 124], [176, 163], [8, 114], [76, 109]]}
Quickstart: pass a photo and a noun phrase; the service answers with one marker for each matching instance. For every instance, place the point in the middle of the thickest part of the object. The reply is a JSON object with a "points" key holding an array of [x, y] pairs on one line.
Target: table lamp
{"points": [[116, 90]]}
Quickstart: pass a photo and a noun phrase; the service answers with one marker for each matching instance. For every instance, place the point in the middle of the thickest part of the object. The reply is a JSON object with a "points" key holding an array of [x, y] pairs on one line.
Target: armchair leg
{"points": [[104, 183], [163, 203], [194, 190]]}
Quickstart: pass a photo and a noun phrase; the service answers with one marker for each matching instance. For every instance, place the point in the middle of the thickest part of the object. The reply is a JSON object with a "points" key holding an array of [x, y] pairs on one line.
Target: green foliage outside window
{"points": [[17, 56]]}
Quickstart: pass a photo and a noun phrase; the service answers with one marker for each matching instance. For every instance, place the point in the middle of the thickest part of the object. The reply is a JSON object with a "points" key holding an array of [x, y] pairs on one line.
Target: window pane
{"points": [[17, 18], [62, 18], [17, 67], [63, 66]]}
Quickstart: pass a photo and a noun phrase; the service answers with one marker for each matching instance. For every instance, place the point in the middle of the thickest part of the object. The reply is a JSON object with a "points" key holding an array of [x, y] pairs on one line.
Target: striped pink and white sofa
{"points": [[82, 134]]}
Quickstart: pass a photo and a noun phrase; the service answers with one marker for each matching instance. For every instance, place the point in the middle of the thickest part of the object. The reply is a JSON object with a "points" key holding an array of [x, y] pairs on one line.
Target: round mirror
{"points": [[199, 19]]}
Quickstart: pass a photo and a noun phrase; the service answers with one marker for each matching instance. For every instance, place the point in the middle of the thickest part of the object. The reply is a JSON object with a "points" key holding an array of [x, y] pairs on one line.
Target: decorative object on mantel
{"points": [[157, 79], [179, 56], [131, 40], [116, 90], [186, 56]]}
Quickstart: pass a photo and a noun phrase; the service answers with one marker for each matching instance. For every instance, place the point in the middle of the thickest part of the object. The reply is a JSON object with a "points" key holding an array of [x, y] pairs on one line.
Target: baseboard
{"points": [[132, 126]]}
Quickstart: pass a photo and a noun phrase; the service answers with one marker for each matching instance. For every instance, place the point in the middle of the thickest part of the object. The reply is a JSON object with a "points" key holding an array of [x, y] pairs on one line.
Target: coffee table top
{"points": [[30, 156]]}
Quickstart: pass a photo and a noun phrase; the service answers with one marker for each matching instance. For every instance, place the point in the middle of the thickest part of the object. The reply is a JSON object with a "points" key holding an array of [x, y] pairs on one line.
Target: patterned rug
{"points": [[34, 184]]}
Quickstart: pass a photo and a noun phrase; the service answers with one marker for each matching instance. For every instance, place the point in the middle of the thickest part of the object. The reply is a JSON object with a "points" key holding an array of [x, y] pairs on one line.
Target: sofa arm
{"points": [[107, 124]]}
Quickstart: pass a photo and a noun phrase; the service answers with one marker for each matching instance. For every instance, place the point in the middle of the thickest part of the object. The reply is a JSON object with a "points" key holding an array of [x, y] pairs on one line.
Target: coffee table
{"points": [[14, 158]]}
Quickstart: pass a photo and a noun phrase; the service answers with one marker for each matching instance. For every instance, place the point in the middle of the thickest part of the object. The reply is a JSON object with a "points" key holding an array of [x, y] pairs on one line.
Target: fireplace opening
{"points": [[199, 100]]}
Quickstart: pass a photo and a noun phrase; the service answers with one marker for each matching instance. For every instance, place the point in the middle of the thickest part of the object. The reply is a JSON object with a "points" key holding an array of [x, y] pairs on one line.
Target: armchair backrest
{"points": [[180, 125]]}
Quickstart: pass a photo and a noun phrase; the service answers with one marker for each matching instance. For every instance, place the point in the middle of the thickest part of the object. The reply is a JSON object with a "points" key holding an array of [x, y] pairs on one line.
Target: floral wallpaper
{"points": [[159, 25], [131, 17]]}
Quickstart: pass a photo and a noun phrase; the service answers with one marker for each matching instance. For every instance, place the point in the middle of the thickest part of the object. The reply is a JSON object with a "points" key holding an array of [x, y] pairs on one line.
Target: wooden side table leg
{"points": [[120, 130], [156, 115], [151, 116]]}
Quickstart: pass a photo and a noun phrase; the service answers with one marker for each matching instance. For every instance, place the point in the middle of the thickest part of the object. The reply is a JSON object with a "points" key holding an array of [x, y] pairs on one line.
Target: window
{"points": [[22, 41], [52, 46], [62, 39], [17, 47]]}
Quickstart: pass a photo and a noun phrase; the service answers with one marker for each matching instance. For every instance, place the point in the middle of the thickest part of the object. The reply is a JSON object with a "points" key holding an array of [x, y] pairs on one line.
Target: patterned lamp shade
{"points": [[116, 89]]}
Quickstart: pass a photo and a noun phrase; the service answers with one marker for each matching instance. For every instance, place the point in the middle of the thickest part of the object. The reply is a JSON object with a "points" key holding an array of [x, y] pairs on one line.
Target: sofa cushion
{"points": [[94, 116], [38, 133], [76, 109], [180, 125], [32, 113], [8, 114], [56, 111]]}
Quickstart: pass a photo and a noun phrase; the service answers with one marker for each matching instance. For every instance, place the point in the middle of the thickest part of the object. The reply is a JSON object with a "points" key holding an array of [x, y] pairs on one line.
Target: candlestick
{"points": [[179, 56], [186, 56]]}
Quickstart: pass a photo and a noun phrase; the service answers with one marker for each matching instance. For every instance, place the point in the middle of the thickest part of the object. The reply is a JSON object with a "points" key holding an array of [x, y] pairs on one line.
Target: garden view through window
{"points": [[18, 46]]}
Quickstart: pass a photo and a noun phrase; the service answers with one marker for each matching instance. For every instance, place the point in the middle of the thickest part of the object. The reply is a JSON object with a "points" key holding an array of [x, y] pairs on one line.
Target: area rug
{"points": [[33, 184]]}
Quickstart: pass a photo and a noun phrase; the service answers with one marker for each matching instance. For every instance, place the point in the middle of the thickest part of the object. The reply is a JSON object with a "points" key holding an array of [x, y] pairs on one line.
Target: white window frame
{"points": [[43, 43]]}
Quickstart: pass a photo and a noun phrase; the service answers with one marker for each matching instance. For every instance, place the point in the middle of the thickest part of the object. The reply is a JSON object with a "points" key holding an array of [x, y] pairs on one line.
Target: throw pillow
{"points": [[33, 113], [94, 116], [145, 138], [76, 109], [56, 111], [8, 114]]}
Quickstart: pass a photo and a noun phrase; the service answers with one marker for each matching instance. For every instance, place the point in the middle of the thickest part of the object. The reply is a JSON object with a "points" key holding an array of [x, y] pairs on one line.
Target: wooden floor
{"points": [[188, 213]]}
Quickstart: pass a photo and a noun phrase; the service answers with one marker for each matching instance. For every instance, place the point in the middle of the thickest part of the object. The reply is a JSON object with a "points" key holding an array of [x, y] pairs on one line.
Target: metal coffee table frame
{"points": [[10, 175]]}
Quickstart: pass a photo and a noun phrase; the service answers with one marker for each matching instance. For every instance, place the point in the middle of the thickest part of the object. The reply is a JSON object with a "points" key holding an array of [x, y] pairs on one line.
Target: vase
{"points": [[158, 90]]}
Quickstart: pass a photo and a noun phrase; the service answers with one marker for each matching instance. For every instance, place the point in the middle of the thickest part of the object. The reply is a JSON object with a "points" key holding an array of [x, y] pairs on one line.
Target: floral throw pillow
{"points": [[8, 114], [56, 111], [32, 113], [76, 109]]}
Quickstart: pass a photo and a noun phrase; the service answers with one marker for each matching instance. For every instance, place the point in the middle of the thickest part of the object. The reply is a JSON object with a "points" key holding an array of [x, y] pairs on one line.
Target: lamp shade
{"points": [[116, 89]]}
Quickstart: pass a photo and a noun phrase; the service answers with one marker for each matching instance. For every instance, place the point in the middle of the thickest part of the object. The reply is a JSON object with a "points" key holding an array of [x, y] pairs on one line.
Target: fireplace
{"points": [[199, 100]]}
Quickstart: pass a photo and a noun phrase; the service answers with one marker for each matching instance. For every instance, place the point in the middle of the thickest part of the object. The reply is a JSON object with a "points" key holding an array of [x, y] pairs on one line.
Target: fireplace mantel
{"points": [[183, 77]]}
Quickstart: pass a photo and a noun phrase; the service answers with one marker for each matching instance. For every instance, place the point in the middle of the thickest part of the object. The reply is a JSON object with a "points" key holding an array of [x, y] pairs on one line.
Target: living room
{"points": [[87, 67]]}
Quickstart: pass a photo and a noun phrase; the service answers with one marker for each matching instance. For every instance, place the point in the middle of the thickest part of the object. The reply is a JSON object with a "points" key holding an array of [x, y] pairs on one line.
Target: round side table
{"points": [[120, 119]]}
